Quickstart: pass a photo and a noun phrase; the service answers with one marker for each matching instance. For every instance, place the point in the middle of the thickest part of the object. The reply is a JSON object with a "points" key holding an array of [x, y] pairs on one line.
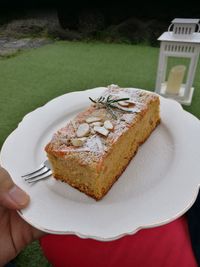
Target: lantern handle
{"points": [[169, 28]]}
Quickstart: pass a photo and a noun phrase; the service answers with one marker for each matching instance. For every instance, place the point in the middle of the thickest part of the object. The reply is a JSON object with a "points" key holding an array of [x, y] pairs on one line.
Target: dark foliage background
{"points": [[135, 22]]}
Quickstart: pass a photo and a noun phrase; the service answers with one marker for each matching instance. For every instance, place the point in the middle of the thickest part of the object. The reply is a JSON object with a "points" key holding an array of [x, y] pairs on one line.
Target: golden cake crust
{"points": [[84, 166]]}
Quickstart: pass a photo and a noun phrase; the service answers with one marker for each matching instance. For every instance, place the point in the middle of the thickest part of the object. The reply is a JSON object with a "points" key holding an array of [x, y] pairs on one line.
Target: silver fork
{"points": [[43, 171]]}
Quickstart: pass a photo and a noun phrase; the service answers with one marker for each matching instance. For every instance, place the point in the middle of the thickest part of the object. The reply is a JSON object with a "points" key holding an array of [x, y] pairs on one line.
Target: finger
{"points": [[11, 196]]}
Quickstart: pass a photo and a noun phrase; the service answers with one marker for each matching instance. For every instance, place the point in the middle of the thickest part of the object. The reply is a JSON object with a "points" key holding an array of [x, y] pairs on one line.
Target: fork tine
{"points": [[33, 172], [37, 174], [43, 171], [41, 177]]}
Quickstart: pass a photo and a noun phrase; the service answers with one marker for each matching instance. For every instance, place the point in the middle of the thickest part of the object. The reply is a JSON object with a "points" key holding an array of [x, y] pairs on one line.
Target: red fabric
{"points": [[164, 246]]}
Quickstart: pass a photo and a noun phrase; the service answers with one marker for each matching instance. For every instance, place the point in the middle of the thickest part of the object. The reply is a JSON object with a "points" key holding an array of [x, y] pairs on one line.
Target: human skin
{"points": [[15, 233]]}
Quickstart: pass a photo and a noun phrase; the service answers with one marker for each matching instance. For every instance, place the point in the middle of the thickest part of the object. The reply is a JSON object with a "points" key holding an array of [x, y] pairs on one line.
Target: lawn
{"points": [[33, 77]]}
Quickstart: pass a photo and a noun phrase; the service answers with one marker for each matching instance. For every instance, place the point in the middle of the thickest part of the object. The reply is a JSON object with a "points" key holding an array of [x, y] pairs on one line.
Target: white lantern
{"points": [[183, 42]]}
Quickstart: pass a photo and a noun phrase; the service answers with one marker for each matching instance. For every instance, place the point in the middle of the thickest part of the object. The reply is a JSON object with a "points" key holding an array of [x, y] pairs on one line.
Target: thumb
{"points": [[11, 196]]}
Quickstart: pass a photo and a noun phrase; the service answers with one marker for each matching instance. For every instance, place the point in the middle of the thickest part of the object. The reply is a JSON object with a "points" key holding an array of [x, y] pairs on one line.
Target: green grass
{"points": [[32, 78], [32, 256]]}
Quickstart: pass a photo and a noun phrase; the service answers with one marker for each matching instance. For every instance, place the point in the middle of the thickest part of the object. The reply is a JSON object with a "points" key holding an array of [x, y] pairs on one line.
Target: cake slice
{"points": [[94, 148]]}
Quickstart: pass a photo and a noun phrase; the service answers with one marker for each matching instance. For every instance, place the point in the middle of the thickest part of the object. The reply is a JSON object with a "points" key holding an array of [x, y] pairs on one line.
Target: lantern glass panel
{"points": [[176, 61], [175, 77]]}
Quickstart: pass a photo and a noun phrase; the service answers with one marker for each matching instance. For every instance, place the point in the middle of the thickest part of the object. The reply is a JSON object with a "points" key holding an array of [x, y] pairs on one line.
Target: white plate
{"points": [[160, 184]]}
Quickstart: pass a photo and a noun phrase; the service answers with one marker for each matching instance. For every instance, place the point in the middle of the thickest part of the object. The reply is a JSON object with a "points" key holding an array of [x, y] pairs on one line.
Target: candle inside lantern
{"points": [[175, 79]]}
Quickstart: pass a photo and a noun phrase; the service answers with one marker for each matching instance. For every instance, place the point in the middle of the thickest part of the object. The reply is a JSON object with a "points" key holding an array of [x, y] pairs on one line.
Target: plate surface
{"points": [[159, 185]]}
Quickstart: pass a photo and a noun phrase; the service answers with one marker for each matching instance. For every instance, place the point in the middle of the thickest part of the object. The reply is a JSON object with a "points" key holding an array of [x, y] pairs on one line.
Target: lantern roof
{"points": [[171, 37], [184, 30], [185, 21]]}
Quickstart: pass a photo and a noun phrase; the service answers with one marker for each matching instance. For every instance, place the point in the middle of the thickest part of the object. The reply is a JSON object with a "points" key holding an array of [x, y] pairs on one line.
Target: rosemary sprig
{"points": [[108, 104]]}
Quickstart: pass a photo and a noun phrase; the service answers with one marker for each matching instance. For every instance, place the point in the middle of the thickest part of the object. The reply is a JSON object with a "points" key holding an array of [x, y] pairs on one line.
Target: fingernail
{"points": [[18, 196]]}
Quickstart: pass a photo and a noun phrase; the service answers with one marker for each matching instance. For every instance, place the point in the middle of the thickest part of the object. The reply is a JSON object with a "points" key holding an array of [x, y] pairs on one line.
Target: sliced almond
{"points": [[130, 102], [83, 130], [123, 103], [108, 125], [78, 141], [96, 123], [101, 130], [92, 119]]}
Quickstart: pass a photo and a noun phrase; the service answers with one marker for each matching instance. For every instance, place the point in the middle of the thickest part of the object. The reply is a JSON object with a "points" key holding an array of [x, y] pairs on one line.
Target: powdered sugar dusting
{"points": [[96, 145]]}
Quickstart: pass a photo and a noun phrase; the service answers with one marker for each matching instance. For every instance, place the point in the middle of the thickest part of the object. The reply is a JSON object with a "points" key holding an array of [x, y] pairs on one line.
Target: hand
{"points": [[15, 233]]}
